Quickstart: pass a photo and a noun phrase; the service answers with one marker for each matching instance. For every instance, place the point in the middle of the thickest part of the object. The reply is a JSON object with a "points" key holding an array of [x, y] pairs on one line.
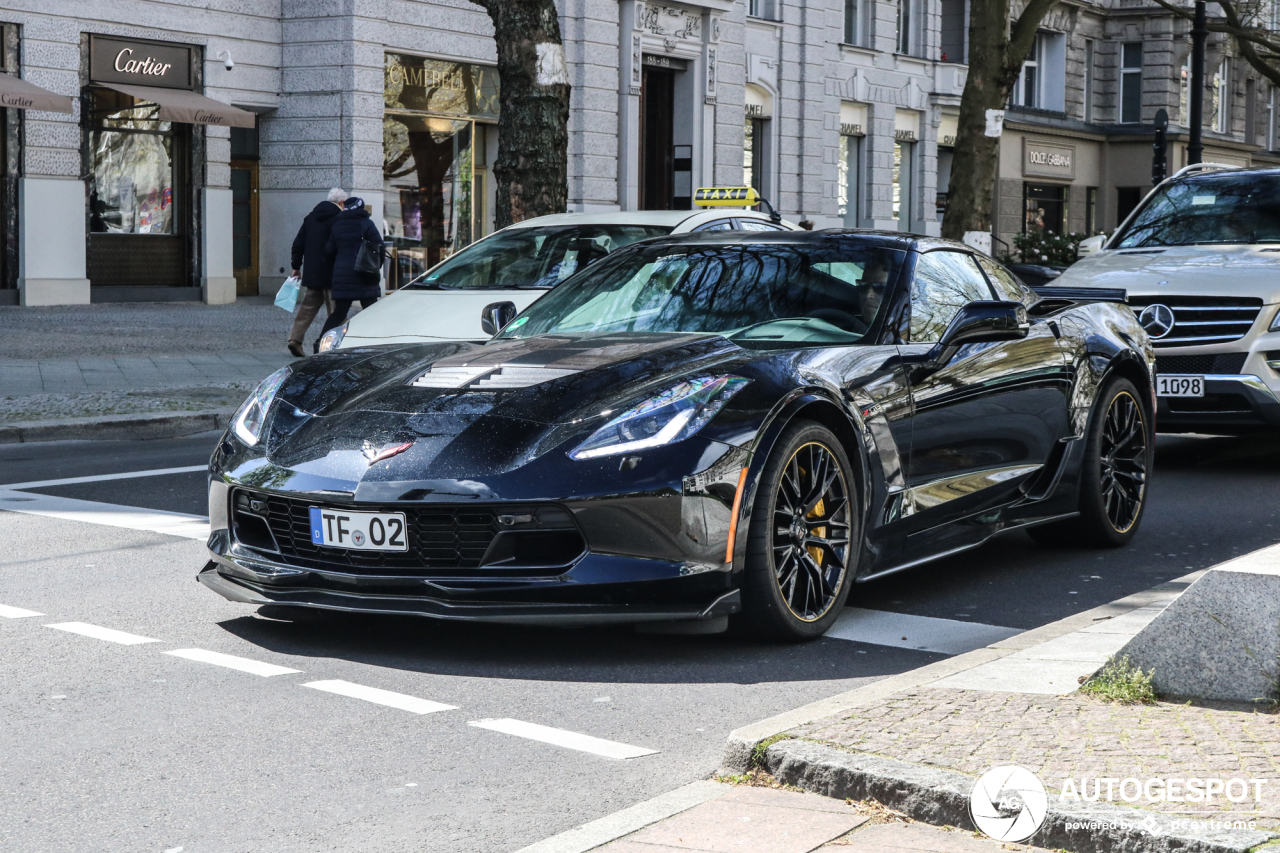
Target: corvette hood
{"points": [[468, 408], [1182, 271]]}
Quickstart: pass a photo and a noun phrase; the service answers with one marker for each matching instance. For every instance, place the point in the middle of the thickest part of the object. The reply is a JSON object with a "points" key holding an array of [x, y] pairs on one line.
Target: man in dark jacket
{"points": [[316, 270], [352, 229]]}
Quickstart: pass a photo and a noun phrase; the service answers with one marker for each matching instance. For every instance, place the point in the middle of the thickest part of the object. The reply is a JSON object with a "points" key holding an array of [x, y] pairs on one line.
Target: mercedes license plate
{"points": [[358, 531], [1180, 386]]}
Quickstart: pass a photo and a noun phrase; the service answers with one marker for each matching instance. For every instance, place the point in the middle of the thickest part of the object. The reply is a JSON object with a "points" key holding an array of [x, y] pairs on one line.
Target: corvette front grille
{"points": [[1203, 320], [444, 541]]}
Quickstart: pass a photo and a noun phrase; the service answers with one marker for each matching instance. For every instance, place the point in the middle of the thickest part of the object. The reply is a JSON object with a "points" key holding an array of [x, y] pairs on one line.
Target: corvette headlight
{"points": [[248, 420], [332, 339], [672, 416]]}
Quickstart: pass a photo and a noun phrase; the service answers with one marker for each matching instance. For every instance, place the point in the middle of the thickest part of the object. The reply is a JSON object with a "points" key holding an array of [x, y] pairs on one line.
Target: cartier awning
{"points": [[18, 94], [187, 106]]}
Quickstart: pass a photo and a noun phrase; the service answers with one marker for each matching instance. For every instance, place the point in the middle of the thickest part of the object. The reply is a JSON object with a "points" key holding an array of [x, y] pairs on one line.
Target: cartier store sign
{"points": [[144, 63]]}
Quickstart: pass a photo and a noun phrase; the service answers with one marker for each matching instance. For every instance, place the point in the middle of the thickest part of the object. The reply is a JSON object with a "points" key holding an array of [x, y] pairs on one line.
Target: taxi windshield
{"points": [[759, 294], [531, 258], [1220, 208]]}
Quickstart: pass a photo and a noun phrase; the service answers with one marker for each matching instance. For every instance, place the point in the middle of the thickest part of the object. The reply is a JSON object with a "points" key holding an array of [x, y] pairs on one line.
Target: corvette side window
{"points": [[1006, 285], [944, 283]]}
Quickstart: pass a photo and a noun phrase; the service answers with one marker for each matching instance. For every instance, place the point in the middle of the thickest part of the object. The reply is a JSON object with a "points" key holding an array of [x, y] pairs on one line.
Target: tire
{"points": [[1119, 451], [793, 591]]}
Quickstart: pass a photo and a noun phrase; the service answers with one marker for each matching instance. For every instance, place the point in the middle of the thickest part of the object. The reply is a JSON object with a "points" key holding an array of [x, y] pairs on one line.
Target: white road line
{"points": [[253, 667], [560, 737], [111, 515], [99, 478], [923, 633], [380, 697], [16, 612], [100, 633]]}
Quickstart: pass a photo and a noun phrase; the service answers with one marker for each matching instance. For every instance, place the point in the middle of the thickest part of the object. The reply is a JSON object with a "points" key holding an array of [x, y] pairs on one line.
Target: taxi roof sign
{"points": [[726, 197]]}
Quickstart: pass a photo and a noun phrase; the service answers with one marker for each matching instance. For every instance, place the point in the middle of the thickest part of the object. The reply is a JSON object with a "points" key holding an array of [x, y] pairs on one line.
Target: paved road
{"points": [[124, 747]]}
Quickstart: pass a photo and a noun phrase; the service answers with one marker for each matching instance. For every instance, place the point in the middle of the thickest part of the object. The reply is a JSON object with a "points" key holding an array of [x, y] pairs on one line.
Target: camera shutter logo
{"points": [[1157, 319], [1008, 803]]}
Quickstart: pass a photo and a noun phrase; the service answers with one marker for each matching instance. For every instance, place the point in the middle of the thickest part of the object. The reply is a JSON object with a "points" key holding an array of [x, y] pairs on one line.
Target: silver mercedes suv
{"points": [[1200, 260]]}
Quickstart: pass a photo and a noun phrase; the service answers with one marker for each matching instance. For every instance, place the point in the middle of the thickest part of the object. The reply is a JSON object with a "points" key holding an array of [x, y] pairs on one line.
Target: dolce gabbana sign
{"points": [[144, 63], [1046, 160]]}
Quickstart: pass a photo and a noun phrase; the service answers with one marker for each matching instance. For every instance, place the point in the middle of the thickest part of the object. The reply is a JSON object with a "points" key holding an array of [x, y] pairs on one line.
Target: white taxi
{"points": [[523, 261]]}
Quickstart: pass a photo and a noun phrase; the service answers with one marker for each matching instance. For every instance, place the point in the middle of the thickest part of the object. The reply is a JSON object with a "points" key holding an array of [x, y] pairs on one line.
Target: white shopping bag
{"points": [[287, 298]]}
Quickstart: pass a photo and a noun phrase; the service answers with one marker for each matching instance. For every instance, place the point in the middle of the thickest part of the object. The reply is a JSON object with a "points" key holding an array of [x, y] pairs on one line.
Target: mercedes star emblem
{"points": [[1157, 319]]}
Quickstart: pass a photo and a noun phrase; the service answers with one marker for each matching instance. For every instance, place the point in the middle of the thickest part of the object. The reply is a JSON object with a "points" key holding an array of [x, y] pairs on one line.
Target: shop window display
{"points": [[131, 168]]}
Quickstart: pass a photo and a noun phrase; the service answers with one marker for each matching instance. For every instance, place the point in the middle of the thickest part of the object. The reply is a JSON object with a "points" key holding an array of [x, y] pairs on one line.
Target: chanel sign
{"points": [[145, 63]]}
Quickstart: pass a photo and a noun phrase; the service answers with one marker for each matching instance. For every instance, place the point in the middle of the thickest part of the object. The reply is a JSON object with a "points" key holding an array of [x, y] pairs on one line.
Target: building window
{"points": [[1088, 80], [767, 9], [753, 7], [1184, 94], [1271, 118], [955, 30], [1046, 208], [1222, 98], [851, 28], [754, 134], [1026, 92], [849, 186], [1250, 112], [905, 23], [902, 185], [1131, 83], [1091, 211]]}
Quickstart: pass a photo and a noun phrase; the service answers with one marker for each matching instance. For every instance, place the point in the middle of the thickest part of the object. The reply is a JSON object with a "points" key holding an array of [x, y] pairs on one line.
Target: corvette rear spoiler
{"points": [[1053, 299]]}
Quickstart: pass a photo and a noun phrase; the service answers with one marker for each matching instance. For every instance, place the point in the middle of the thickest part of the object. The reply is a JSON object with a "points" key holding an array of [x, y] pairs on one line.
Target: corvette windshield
{"points": [[531, 257], [1224, 208], [767, 294]]}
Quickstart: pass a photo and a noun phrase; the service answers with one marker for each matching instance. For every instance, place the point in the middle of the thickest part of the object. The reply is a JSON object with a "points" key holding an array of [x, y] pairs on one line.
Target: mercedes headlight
{"points": [[671, 416], [1275, 323], [248, 420], [332, 339]]}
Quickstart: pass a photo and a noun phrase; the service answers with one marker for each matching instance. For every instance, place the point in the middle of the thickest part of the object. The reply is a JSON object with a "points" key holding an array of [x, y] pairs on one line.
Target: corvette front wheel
{"points": [[803, 537]]}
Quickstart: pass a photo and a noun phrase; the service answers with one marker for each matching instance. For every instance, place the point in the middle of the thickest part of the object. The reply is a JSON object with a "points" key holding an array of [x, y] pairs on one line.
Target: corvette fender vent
{"points": [[489, 377]]}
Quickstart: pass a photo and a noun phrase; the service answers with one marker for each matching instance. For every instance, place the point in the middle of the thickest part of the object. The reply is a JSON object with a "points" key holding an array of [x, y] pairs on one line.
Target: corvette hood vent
{"points": [[488, 377]]}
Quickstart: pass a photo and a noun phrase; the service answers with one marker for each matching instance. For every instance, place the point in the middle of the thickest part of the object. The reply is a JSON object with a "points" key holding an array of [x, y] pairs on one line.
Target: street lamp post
{"points": [[1199, 34]]}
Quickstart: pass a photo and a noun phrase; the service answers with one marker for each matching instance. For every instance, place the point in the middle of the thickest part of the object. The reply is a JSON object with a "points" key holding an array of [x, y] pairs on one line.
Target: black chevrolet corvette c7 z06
{"points": [[695, 428]]}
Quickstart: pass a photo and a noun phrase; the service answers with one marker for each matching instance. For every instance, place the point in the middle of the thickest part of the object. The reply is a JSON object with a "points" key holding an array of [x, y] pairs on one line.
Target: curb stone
{"points": [[108, 427], [941, 797]]}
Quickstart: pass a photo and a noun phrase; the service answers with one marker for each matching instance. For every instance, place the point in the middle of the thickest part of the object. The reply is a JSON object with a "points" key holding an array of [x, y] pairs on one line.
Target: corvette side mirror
{"points": [[986, 321], [495, 316]]}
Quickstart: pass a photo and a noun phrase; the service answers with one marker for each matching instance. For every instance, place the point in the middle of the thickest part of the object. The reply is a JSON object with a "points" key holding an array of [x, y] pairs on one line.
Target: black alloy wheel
{"points": [[1114, 473], [802, 539], [1123, 462]]}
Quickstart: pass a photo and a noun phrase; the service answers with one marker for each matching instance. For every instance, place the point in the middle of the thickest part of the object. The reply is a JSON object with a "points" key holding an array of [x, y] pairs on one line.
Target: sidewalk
{"points": [[918, 742], [748, 819], [90, 362]]}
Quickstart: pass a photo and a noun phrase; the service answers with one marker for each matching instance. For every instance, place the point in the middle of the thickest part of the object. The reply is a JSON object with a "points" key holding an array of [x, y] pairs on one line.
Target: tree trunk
{"points": [[532, 169], [996, 53]]}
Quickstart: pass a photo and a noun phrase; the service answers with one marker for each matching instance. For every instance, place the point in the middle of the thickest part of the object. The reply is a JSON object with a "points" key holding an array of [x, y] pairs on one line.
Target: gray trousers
{"points": [[308, 308]]}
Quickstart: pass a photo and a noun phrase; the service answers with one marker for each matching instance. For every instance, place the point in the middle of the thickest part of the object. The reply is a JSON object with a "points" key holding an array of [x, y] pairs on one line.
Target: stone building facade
{"points": [[839, 111]]}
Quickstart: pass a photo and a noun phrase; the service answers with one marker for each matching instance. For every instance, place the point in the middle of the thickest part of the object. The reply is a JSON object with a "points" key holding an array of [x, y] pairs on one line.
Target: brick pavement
{"points": [[1071, 736]]}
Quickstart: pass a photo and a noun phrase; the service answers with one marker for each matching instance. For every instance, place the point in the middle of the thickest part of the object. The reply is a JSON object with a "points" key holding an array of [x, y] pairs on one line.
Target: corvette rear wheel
{"points": [[803, 537], [1113, 477]]}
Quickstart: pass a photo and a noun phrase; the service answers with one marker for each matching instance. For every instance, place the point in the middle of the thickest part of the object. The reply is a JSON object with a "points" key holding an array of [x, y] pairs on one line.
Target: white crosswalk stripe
{"points": [[99, 478], [111, 515], [380, 697], [16, 612], [566, 739], [922, 633], [97, 632], [253, 667]]}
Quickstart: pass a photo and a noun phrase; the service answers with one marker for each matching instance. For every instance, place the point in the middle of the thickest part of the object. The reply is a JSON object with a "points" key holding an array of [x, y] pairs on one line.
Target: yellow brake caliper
{"points": [[814, 551]]}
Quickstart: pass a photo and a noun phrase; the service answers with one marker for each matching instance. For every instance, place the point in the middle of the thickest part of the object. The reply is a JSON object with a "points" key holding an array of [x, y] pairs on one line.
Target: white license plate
{"points": [[1180, 386], [359, 531]]}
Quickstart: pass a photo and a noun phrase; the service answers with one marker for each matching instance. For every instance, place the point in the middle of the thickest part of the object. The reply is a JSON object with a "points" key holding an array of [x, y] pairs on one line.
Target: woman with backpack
{"points": [[356, 249]]}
